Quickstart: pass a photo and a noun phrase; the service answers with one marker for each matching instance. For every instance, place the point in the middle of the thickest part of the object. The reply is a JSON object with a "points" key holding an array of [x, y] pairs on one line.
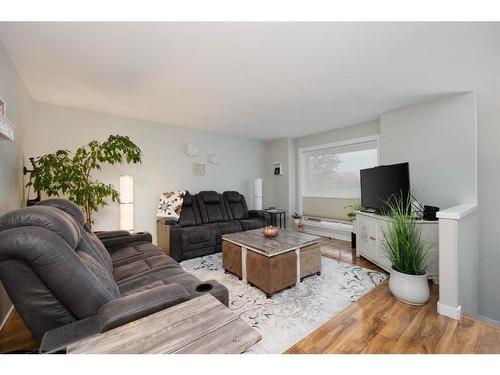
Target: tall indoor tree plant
{"points": [[71, 174], [407, 252]]}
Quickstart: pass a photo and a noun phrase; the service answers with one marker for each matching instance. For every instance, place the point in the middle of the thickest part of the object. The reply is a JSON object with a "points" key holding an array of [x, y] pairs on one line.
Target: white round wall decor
{"points": [[214, 159], [192, 149]]}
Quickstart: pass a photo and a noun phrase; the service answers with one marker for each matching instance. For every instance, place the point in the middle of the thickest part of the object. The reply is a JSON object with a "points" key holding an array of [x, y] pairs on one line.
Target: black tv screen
{"points": [[379, 184]]}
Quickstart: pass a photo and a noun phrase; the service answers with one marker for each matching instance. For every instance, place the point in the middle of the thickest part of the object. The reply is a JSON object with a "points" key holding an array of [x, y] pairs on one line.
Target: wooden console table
{"points": [[202, 325]]}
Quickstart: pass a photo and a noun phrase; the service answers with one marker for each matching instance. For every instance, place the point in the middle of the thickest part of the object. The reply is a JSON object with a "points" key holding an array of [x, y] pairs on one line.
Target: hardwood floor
{"points": [[15, 336], [377, 323], [341, 250]]}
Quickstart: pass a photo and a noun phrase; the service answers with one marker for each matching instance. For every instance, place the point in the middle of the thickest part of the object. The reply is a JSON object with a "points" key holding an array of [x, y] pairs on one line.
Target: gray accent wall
{"points": [[438, 139], [165, 165], [488, 103], [19, 107], [279, 191]]}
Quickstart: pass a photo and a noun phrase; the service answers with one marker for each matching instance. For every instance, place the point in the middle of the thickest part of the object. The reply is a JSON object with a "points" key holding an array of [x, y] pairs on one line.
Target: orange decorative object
{"points": [[270, 231]]}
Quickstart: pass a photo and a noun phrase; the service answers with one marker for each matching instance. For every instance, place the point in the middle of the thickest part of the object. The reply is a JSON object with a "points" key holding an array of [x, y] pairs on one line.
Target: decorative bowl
{"points": [[270, 231]]}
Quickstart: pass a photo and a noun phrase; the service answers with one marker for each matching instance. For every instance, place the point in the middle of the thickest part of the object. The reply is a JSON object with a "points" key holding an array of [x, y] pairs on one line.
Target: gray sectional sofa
{"points": [[204, 218], [67, 282]]}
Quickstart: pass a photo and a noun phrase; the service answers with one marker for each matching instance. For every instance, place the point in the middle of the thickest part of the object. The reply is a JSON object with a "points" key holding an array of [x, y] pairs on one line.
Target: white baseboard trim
{"points": [[449, 311], [4, 320]]}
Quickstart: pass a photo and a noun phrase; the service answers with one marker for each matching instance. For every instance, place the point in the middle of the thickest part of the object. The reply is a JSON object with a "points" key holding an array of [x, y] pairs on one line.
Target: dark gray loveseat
{"points": [[67, 282], [204, 218]]}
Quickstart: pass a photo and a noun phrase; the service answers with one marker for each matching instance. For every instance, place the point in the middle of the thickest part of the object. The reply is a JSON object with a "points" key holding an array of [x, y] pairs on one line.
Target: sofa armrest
{"points": [[135, 306], [260, 214], [126, 238], [58, 339], [106, 234], [167, 221]]}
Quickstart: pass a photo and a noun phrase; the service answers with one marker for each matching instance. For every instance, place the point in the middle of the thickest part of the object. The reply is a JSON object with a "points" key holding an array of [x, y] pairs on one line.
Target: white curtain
{"points": [[334, 171]]}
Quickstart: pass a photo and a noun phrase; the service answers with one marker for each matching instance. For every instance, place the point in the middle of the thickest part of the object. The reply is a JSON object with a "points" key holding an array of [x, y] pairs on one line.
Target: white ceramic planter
{"points": [[296, 221], [410, 289]]}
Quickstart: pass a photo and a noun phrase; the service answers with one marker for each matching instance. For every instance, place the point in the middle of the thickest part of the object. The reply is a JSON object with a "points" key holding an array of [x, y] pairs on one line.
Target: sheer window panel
{"points": [[333, 172]]}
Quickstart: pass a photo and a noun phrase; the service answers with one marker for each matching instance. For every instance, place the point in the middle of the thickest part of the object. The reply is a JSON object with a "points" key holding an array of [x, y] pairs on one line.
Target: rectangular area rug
{"points": [[293, 313]]}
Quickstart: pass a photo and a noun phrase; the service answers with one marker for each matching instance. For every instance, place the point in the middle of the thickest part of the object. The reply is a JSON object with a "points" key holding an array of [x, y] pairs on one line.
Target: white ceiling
{"points": [[261, 80]]}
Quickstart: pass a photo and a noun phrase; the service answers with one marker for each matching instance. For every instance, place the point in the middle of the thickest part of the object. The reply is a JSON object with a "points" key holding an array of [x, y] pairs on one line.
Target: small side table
{"points": [[298, 227], [277, 216]]}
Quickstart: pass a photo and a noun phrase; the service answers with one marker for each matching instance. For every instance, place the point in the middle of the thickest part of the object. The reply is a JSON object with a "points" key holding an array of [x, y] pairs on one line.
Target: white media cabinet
{"points": [[370, 241]]}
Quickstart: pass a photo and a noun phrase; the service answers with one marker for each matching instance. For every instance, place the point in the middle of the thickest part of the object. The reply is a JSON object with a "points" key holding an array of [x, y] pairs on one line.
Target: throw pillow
{"points": [[171, 204]]}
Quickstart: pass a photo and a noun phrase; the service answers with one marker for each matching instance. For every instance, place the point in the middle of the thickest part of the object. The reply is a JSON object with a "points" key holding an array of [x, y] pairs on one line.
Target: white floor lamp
{"points": [[257, 194], [127, 203]]}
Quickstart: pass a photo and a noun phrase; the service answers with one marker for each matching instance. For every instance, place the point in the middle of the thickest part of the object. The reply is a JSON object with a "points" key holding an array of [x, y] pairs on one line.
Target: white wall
{"points": [[276, 189], [439, 141], [438, 138], [165, 166], [364, 129], [19, 105]]}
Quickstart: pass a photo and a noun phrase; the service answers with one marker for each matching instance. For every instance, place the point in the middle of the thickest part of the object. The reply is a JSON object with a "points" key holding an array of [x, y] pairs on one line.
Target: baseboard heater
{"points": [[330, 228]]}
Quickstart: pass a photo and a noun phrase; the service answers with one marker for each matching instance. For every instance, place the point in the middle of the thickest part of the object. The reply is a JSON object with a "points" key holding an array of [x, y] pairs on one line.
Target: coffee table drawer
{"points": [[310, 260], [272, 274], [231, 257]]}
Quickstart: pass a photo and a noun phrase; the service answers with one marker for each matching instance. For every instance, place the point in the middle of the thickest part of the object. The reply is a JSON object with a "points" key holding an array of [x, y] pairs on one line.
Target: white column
{"points": [[448, 304], [297, 252], [244, 264], [458, 253]]}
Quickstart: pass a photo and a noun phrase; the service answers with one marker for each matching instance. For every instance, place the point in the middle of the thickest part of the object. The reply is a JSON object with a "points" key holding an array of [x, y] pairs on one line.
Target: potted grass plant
{"points": [[355, 206], [407, 252]]}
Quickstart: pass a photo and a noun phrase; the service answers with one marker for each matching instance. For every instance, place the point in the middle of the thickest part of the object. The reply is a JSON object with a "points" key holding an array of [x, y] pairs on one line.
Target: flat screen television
{"points": [[379, 184]]}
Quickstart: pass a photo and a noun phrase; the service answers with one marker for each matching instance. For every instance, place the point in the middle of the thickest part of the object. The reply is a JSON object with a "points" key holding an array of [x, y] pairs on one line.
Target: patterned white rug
{"points": [[292, 313]]}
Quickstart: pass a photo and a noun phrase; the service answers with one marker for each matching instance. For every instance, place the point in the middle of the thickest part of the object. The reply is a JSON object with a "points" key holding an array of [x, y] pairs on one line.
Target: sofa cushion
{"points": [[227, 227], [211, 206], [133, 252], [190, 214], [142, 266], [67, 206], [236, 205], [89, 242], [102, 275], [209, 196], [232, 196], [174, 276], [160, 277], [50, 218]]}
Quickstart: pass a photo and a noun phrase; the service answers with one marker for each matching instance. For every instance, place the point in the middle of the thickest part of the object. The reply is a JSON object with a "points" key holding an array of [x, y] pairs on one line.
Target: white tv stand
{"points": [[370, 241]]}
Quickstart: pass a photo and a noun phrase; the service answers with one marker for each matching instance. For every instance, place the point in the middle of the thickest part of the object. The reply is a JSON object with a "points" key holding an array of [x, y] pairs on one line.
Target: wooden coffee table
{"points": [[201, 325], [271, 264]]}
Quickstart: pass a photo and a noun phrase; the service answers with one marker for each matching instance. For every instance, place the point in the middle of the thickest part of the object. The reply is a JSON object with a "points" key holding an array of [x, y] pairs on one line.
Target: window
{"points": [[333, 171]]}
